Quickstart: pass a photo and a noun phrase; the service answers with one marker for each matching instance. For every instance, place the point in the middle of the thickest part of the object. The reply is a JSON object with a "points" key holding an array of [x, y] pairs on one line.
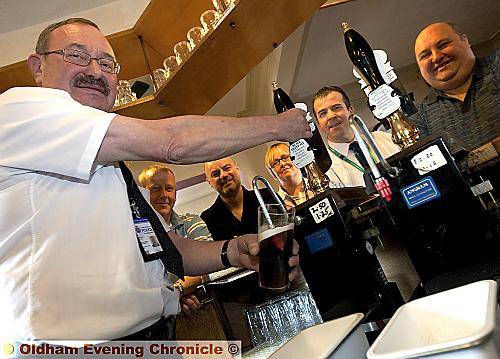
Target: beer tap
{"points": [[309, 155], [381, 183], [261, 200], [384, 100]]}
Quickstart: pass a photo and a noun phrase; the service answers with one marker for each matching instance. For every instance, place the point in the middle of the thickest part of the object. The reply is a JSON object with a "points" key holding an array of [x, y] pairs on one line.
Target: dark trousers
{"points": [[163, 329]]}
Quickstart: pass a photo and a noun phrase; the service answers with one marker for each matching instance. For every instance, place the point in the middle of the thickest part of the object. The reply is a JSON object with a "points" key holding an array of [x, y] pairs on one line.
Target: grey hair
{"points": [[42, 45]]}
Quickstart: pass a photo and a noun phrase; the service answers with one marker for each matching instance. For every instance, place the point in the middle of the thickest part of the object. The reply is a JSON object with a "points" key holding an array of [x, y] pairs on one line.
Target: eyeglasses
{"points": [[81, 58], [276, 162]]}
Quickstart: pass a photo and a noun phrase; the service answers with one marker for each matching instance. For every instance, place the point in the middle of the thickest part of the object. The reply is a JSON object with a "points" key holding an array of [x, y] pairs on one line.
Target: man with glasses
{"points": [[71, 263], [292, 185]]}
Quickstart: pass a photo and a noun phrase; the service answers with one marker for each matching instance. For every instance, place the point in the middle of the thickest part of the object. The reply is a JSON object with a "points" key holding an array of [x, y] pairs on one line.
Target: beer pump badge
{"points": [[321, 210], [300, 153], [383, 101], [420, 192], [428, 160]]}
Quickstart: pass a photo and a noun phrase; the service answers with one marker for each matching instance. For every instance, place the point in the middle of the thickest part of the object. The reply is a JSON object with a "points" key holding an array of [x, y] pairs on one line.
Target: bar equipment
{"points": [[450, 238], [340, 267], [304, 152], [384, 100]]}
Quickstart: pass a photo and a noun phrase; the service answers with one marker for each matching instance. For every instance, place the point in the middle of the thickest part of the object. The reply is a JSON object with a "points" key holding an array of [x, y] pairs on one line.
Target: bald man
{"points": [[464, 94], [235, 209]]}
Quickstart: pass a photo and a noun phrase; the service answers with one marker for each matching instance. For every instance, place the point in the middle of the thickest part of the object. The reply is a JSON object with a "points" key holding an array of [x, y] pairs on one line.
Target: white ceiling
{"points": [[17, 14], [22, 20]]}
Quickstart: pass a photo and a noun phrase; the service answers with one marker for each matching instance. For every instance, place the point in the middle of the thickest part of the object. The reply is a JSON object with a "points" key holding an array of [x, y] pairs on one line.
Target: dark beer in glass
{"points": [[276, 243]]}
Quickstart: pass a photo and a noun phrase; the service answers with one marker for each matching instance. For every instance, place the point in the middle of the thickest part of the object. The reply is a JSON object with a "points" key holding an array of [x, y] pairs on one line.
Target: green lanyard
{"points": [[345, 159]]}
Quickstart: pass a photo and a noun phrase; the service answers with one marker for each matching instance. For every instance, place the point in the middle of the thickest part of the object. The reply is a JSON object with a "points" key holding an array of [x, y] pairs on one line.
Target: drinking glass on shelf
{"points": [[220, 6], [160, 77], [181, 50], [195, 35], [124, 93], [170, 64], [208, 19]]}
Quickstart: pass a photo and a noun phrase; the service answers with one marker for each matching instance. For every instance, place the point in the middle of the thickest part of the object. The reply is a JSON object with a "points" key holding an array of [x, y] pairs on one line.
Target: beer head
{"points": [[269, 232]]}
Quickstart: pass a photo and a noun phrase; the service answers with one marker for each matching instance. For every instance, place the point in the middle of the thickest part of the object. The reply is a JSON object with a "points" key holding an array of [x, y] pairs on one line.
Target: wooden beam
{"points": [[15, 75]]}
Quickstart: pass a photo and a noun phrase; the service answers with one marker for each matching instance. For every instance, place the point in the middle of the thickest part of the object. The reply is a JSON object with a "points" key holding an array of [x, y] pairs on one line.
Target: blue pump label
{"points": [[420, 192], [319, 240]]}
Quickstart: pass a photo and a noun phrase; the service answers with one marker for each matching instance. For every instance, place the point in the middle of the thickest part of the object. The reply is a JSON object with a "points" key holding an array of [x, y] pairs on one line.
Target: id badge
{"points": [[146, 236]]}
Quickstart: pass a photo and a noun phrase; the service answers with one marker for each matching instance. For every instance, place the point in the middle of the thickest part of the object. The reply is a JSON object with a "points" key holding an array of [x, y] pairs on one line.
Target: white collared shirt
{"points": [[70, 266], [342, 173]]}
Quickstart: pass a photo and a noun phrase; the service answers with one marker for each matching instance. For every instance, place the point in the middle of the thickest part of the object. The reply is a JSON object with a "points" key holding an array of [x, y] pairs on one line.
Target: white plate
{"points": [[458, 318], [320, 340]]}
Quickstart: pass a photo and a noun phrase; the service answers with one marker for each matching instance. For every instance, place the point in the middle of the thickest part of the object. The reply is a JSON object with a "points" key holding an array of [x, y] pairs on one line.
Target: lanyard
{"points": [[345, 159]]}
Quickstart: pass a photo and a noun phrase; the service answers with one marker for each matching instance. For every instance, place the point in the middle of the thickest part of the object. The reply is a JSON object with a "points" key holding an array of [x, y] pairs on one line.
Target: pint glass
{"points": [[276, 243]]}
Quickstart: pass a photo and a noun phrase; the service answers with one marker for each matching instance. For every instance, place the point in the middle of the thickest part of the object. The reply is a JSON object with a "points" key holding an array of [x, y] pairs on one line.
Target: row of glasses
{"points": [[182, 49], [195, 35]]}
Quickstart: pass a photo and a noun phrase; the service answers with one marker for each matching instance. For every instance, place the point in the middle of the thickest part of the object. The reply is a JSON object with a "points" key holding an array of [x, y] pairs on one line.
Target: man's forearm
{"points": [[193, 139], [200, 139]]}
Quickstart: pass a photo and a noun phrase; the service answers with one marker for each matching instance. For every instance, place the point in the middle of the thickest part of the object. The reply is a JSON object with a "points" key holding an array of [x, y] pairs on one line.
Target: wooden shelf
{"points": [[242, 39]]}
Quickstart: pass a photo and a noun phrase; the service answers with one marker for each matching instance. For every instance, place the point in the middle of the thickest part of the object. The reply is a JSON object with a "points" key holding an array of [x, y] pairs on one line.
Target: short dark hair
{"points": [[325, 91], [42, 45]]}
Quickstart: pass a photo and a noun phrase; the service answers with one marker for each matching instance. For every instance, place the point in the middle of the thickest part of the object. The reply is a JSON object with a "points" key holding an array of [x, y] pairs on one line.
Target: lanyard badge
{"points": [[149, 244]]}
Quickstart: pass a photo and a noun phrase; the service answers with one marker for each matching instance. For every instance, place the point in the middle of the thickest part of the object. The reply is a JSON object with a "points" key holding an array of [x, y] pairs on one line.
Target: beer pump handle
{"points": [[261, 201], [384, 100]]}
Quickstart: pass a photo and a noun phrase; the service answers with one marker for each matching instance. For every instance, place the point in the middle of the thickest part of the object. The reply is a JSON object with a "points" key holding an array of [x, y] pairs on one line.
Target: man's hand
{"points": [[243, 251], [296, 126], [189, 304]]}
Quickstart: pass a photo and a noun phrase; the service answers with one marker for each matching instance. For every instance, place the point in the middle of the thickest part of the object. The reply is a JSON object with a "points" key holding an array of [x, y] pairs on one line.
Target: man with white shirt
{"points": [[74, 260], [332, 109]]}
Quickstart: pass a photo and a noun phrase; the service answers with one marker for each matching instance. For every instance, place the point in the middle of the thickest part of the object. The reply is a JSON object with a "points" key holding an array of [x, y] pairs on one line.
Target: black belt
{"points": [[164, 329]]}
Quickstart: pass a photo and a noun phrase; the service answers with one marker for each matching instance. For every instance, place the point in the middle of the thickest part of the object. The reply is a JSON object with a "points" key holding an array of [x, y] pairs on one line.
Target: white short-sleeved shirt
{"points": [[70, 266], [343, 174]]}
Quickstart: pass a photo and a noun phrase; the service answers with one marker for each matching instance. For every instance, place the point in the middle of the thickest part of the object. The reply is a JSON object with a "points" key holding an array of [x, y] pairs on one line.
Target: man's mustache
{"points": [[81, 80]]}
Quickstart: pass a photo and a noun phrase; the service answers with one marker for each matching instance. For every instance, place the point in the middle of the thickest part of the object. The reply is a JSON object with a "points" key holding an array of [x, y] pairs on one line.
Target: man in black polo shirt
{"points": [[234, 212]]}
